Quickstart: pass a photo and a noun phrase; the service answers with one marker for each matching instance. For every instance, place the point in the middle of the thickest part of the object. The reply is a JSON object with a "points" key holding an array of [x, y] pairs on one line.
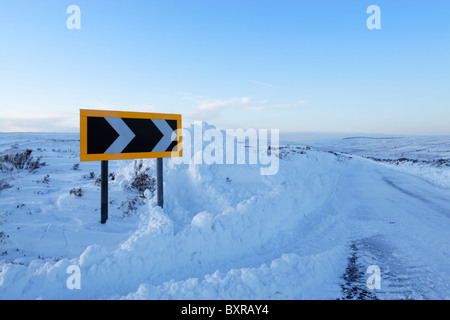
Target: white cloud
{"points": [[256, 108], [261, 84], [215, 105], [34, 113], [44, 122], [138, 108], [211, 108], [38, 119], [291, 105], [245, 100]]}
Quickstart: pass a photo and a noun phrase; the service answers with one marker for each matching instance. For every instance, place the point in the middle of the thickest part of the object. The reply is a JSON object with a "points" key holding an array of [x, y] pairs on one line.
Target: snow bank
{"points": [[222, 233], [288, 277]]}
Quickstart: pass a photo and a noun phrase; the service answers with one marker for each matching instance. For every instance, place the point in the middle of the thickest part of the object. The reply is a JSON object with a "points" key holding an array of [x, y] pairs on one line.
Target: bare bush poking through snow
{"points": [[142, 181], [76, 192], [4, 184], [15, 159]]}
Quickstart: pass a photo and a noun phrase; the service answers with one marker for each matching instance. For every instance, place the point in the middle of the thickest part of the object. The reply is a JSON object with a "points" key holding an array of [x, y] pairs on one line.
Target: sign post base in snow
{"points": [[104, 192], [118, 135]]}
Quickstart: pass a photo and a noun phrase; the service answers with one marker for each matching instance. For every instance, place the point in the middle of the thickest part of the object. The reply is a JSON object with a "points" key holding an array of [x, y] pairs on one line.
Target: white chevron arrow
{"points": [[167, 138], [124, 138]]}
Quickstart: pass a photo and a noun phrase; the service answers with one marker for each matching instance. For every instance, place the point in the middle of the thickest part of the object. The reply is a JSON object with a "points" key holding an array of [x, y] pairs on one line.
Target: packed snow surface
{"points": [[310, 231]]}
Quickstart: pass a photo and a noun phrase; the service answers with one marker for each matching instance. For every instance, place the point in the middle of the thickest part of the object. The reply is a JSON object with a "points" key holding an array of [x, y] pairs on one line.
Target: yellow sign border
{"points": [[85, 113]]}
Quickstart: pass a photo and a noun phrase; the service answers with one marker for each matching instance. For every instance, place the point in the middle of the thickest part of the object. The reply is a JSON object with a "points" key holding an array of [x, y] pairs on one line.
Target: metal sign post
{"points": [[104, 192], [159, 182]]}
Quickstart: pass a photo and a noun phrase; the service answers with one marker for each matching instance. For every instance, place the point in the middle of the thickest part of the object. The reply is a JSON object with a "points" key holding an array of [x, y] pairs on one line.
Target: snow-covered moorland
{"points": [[310, 231]]}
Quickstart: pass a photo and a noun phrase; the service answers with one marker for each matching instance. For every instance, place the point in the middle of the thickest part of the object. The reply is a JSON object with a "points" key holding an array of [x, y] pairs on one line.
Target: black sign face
{"points": [[109, 135]]}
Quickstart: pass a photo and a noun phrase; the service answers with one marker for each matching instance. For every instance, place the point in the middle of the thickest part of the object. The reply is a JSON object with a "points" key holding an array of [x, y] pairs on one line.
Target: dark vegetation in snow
{"points": [[14, 158]]}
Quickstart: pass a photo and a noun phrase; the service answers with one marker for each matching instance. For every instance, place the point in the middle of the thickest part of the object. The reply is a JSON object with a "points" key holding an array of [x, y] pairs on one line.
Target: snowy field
{"points": [[424, 156], [311, 231]]}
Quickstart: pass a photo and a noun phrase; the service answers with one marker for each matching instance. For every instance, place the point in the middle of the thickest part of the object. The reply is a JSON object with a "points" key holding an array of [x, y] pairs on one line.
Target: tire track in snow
{"points": [[354, 286], [418, 196], [400, 280]]}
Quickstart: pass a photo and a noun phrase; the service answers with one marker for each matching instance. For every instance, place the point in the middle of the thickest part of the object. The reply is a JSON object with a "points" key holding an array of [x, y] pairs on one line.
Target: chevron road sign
{"points": [[118, 135]]}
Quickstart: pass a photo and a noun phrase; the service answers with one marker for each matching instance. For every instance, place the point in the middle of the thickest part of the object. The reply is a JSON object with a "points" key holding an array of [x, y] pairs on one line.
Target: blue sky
{"points": [[307, 66]]}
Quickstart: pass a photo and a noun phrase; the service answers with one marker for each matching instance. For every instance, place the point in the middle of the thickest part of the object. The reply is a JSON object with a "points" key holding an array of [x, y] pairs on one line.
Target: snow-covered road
{"points": [[400, 223]]}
